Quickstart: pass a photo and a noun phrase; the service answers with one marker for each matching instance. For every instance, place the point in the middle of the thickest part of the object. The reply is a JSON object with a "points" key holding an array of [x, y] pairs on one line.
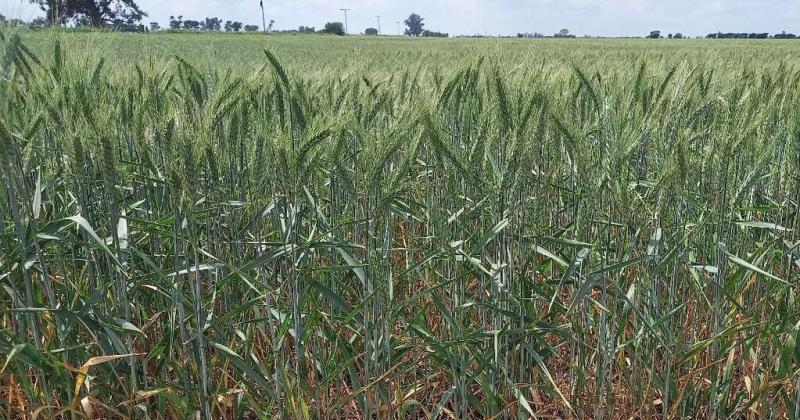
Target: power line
{"points": [[345, 19]]}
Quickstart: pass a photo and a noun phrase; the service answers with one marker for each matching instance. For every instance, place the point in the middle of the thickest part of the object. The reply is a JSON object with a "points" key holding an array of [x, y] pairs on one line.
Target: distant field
{"points": [[355, 227], [321, 56]]}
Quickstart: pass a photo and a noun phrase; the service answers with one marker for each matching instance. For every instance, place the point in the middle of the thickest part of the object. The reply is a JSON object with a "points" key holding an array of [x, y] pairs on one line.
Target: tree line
{"points": [[743, 35], [126, 15], [123, 15], [415, 27], [209, 24], [731, 35]]}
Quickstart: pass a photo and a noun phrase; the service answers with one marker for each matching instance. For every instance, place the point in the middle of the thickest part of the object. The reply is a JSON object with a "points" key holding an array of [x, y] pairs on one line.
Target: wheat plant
{"points": [[598, 233]]}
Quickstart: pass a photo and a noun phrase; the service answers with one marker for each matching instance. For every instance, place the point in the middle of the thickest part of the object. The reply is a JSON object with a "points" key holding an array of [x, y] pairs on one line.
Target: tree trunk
{"points": [[95, 16], [53, 13]]}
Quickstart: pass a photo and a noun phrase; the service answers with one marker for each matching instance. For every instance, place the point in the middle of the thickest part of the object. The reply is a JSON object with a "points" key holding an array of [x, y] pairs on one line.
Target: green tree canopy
{"points": [[97, 13], [336, 28], [414, 25]]}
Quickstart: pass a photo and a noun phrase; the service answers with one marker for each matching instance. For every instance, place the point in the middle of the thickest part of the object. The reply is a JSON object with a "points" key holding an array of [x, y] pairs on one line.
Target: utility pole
{"points": [[379, 24], [345, 19], [263, 18], [398, 28]]}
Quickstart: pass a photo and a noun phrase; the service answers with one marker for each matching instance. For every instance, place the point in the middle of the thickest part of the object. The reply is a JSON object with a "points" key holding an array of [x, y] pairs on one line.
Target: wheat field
{"points": [[222, 226]]}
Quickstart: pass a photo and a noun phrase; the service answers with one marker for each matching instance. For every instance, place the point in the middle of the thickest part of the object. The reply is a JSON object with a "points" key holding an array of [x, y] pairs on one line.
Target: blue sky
{"points": [[595, 17]]}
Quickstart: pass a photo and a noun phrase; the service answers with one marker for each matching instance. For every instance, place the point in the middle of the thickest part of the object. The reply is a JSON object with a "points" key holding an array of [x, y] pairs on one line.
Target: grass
{"points": [[359, 228]]}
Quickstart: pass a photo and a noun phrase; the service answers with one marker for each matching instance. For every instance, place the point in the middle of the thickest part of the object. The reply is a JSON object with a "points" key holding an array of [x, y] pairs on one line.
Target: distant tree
{"points": [[98, 12], [228, 26], [306, 29], [54, 12], [414, 25], [237, 26], [564, 33], [12, 22], [211, 24], [336, 28], [370, 31], [669, 36], [251, 28], [155, 27], [191, 25], [654, 34], [743, 35], [126, 26], [37, 23], [81, 22], [175, 23], [270, 25], [678, 35], [432, 34]]}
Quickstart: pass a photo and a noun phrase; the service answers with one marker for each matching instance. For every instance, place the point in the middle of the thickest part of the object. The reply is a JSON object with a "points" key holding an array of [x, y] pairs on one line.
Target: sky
{"points": [[488, 17]]}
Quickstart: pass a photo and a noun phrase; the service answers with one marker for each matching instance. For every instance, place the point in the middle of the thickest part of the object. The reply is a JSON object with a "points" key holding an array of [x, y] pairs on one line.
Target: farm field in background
{"points": [[232, 226]]}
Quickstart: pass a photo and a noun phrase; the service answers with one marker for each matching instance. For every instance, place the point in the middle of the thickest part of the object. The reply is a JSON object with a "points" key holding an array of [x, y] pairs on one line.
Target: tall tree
{"points": [[53, 10], [97, 12], [175, 23], [336, 28], [191, 25], [211, 24], [415, 25]]}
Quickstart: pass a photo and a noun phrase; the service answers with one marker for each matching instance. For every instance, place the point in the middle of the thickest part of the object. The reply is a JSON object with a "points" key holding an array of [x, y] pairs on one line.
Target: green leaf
{"points": [[240, 363], [355, 265], [550, 255], [127, 326], [37, 195], [492, 233], [442, 401], [742, 263], [586, 286], [333, 297], [546, 373], [764, 225], [84, 224], [17, 348]]}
